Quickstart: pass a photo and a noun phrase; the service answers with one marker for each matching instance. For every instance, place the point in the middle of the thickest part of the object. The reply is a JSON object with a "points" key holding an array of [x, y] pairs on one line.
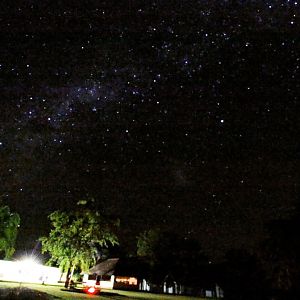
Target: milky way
{"points": [[171, 110]]}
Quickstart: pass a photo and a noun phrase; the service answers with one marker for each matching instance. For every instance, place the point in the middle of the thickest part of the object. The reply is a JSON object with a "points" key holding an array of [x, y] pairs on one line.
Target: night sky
{"points": [[175, 114]]}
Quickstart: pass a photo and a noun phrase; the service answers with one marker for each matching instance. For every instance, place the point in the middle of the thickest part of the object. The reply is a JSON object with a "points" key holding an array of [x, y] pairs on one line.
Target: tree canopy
{"points": [[9, 223], [76, 238], [172, 256]]}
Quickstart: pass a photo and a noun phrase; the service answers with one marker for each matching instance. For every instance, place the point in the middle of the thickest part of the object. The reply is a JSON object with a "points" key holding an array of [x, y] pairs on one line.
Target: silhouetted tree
{"points": [[281, 257], [242, 277], [173, 258]]}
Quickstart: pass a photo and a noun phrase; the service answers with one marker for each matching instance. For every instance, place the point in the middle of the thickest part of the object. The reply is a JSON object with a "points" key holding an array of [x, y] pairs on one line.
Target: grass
{"points": [[58, 293]]}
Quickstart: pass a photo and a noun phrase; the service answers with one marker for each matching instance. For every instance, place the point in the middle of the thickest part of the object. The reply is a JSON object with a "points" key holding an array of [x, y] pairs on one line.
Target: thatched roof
{"points": [[106, 267], [121, 267]]}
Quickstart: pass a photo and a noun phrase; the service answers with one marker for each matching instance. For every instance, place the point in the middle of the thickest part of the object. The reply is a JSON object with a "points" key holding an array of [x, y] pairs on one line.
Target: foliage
{"points": [[76, 238], [172, 257], [241, 276], [281, 258], [146, 243], [272, 271], [9, 223]]}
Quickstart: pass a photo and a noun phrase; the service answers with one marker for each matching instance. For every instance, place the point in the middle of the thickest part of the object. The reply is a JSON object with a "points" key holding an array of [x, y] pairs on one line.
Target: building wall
{"points": [[107, 284], [104, 284], [25, 271], [126, 283]]}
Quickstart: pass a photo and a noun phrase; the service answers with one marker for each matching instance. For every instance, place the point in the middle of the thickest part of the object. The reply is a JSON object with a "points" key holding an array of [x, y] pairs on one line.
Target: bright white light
{"points": [[91, 290], [28, 262], [28, 270]]}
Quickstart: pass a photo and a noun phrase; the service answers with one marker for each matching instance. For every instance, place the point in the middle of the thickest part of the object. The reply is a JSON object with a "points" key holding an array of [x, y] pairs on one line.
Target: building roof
{"points": [[106, 267], [121, 267]]}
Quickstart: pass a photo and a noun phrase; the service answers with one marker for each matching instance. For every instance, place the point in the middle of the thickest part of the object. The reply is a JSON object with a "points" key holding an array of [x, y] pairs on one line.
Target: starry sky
{"points": [[176, 114]]}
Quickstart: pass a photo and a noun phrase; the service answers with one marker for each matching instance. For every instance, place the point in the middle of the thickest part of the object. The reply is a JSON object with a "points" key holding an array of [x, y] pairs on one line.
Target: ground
{"points": [[56, 292]]}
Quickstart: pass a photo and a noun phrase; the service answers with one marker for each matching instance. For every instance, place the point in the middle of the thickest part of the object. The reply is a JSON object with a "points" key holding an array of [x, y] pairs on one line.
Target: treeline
{"points": [[80, 238]]}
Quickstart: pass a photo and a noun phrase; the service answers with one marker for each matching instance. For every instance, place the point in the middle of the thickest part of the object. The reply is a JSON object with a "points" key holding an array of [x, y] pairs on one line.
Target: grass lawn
{"points": [[58, 293]]}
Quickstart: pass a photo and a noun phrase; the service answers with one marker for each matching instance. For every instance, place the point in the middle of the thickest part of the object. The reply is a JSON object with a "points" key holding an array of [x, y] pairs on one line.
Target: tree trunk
{"points": [[72, 272], [67, 278]]}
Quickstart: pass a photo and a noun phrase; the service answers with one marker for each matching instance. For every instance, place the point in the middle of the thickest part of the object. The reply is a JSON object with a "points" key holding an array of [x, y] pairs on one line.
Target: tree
{"points": [[76, 238], [9, 223], [173, 257], [242, 276], [146, 243], [281, 258]]}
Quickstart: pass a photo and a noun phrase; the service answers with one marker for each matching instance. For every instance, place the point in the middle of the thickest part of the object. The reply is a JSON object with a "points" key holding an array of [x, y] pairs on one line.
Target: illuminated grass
{"points": [[58, 293]]}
